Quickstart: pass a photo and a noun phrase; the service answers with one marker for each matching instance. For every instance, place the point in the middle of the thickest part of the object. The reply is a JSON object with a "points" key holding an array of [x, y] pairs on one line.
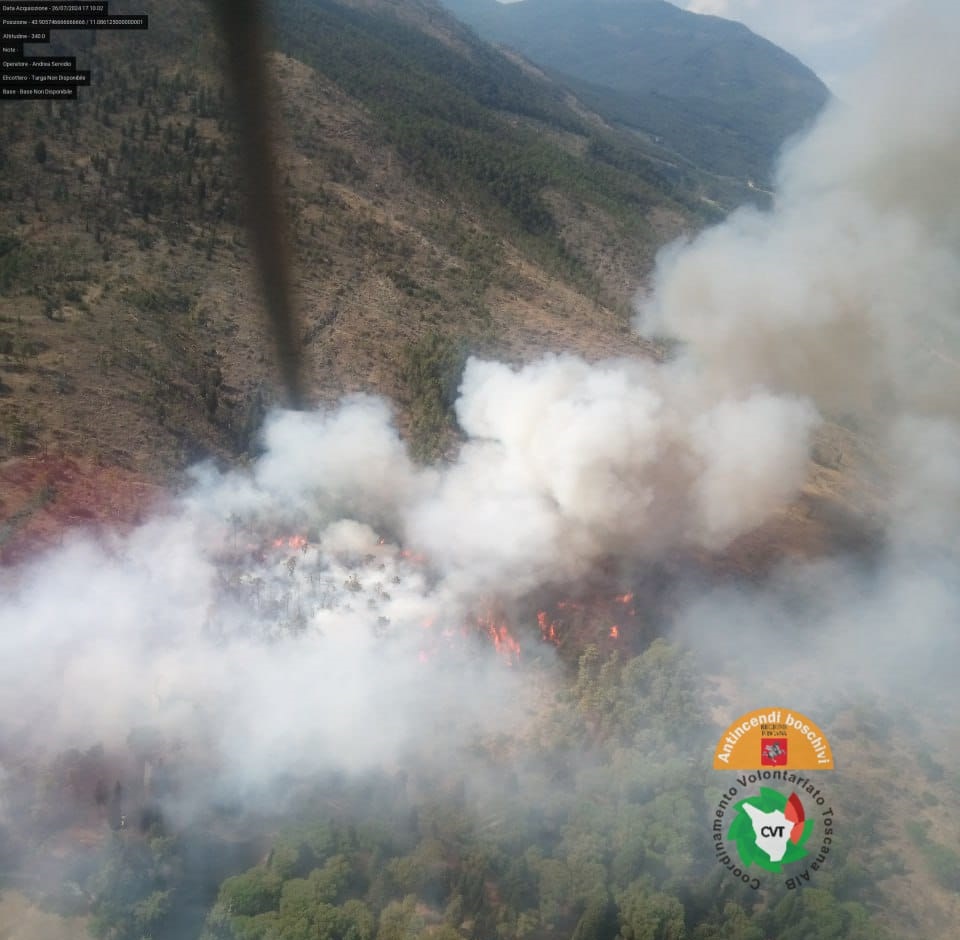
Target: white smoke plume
{"points": [[847, 294], [276, 619], [567, 462], [261, 654]]}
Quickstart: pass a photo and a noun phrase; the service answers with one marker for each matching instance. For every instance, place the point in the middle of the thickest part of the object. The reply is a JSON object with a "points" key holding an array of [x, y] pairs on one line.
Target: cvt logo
{"points": [[757, 829], [770, 830]]}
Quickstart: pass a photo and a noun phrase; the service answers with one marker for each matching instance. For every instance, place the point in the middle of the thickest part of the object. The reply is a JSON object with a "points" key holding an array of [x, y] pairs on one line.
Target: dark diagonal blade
{"points": [[242, 25]]}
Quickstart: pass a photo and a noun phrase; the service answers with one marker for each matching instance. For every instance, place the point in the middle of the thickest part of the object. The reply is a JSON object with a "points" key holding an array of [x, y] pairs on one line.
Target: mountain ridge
{"points": [[424, 220], [714, 91]]}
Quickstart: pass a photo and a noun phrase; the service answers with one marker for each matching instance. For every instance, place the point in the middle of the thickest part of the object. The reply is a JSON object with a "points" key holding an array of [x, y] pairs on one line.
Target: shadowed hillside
{"points": [[702, 86]]}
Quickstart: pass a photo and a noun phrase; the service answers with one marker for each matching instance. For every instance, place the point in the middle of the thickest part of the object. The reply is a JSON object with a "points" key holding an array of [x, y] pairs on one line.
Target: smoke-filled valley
{"points": [[335, 691]]}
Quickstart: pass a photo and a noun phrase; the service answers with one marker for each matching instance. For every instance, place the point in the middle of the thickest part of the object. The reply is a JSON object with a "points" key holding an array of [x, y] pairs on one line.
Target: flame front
{"points": [[327, 580], [294, 542], [548, 629], [504, 642]]}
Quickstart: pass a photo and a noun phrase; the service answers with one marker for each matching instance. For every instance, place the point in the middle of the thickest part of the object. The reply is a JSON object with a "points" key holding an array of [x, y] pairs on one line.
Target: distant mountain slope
{"points": [[711, 89], [440, 198]]}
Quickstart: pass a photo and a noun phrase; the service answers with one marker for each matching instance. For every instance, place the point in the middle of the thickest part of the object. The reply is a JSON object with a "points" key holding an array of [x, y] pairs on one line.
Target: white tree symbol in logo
{"points": [[770, 830]]}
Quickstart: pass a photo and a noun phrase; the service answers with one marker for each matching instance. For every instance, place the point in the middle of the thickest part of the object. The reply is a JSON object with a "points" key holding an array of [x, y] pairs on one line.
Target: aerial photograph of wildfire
{"points": [[480, 471]]}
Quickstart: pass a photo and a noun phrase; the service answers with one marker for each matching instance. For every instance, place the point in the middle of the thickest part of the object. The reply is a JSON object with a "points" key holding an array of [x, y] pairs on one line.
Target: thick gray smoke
{"points": [[346, 649], [567, 462], [847, 294], [250, 649], [325, 609]]}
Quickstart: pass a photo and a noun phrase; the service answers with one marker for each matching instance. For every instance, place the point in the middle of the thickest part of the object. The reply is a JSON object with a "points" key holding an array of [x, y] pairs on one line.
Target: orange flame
{"points": [[505, 644], [296, 542], [624, 598], [503, 641], [614, 632], [548, 629]]}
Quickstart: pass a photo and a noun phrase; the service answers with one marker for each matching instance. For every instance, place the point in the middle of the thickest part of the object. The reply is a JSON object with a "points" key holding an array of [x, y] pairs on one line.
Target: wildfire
{"points": [[293, 542], [548, 629], [369, 587], [504, 642], [570, 618], [325, 588]]}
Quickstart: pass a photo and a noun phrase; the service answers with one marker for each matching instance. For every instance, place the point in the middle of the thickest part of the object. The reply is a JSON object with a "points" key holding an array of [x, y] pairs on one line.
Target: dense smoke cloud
{"points": [[847, 294], [847, 291], [258, 656], [567, 462], [276, 620]]}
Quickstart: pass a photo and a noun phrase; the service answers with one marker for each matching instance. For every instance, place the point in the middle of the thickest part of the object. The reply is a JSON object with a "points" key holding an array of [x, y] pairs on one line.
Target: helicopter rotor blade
{"points": [[242, 26]]}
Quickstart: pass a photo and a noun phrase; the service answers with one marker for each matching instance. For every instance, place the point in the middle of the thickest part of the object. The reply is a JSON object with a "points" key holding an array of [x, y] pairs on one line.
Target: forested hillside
{"points": [[436, 194], [592, 828], [705, 87]]}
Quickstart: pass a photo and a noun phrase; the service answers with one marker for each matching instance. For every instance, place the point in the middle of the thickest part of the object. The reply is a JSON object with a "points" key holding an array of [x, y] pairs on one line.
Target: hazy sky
{"points": [[831, 36]]}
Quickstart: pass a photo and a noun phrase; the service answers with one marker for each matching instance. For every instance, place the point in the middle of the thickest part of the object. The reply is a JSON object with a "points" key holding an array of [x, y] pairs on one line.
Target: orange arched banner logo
{"points": [[773, 737]]}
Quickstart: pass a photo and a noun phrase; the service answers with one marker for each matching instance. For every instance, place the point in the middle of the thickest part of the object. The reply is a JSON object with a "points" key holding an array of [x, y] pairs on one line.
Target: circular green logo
{"points": [[770, 830]]}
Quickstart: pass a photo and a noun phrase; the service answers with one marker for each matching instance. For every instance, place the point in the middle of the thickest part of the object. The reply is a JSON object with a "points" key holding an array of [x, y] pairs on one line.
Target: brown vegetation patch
{"points": [[43, 498]]}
